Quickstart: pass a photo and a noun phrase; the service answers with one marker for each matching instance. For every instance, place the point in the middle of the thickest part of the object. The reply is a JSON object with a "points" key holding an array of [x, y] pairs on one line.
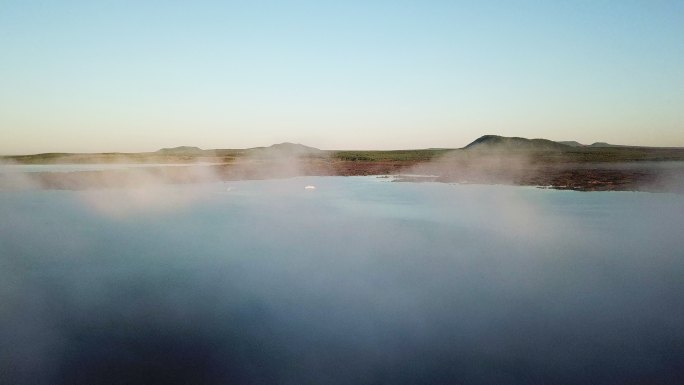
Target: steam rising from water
{"points": [[481, 166], [362, 282]]}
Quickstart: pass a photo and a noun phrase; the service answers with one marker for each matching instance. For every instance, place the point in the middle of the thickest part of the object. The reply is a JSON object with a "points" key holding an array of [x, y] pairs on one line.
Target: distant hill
{"points": [[182, 150], [286, 149], [503, 143], [294, 147], [277, 150], [604, 144], [572, 143]]}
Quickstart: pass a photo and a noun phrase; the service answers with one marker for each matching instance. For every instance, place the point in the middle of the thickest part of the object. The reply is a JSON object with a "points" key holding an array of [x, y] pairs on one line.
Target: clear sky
{"points": [[90, 76]]}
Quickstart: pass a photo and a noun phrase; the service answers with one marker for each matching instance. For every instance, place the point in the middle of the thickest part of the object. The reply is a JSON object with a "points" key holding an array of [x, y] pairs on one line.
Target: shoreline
{"points": [[619, 176]]}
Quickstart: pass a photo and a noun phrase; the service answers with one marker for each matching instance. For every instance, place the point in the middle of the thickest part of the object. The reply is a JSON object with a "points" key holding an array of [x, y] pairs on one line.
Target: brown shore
{"points": [[614, 176]]}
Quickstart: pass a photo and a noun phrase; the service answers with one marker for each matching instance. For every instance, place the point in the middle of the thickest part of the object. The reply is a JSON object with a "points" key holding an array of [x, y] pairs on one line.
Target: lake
{"points": [[356, 281]]}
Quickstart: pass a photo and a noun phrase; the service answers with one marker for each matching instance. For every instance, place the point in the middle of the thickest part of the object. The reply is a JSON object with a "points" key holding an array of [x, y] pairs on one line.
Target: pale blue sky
{"points": [[141, 75]]}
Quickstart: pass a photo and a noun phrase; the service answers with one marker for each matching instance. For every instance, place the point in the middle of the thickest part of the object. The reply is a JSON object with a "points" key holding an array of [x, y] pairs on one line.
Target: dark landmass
{"points": [[490, 159], [572, 143], [501, 143], [182, 150]]}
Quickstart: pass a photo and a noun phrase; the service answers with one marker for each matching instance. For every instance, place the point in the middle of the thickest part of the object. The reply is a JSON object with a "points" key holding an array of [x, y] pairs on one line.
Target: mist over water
{"points": [[360, 281]]}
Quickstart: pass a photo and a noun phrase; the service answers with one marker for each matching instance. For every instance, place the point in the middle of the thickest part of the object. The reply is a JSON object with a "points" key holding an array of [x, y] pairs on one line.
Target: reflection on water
{"points": [[359, 281]]}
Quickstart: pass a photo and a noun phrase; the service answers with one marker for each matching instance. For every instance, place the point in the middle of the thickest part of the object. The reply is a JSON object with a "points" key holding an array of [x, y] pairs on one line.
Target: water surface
{"points": [[359, 281]]}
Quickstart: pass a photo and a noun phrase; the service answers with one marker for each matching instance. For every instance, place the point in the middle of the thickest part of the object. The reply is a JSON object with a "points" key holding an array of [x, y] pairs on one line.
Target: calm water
{"points": [[359, 281]]}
